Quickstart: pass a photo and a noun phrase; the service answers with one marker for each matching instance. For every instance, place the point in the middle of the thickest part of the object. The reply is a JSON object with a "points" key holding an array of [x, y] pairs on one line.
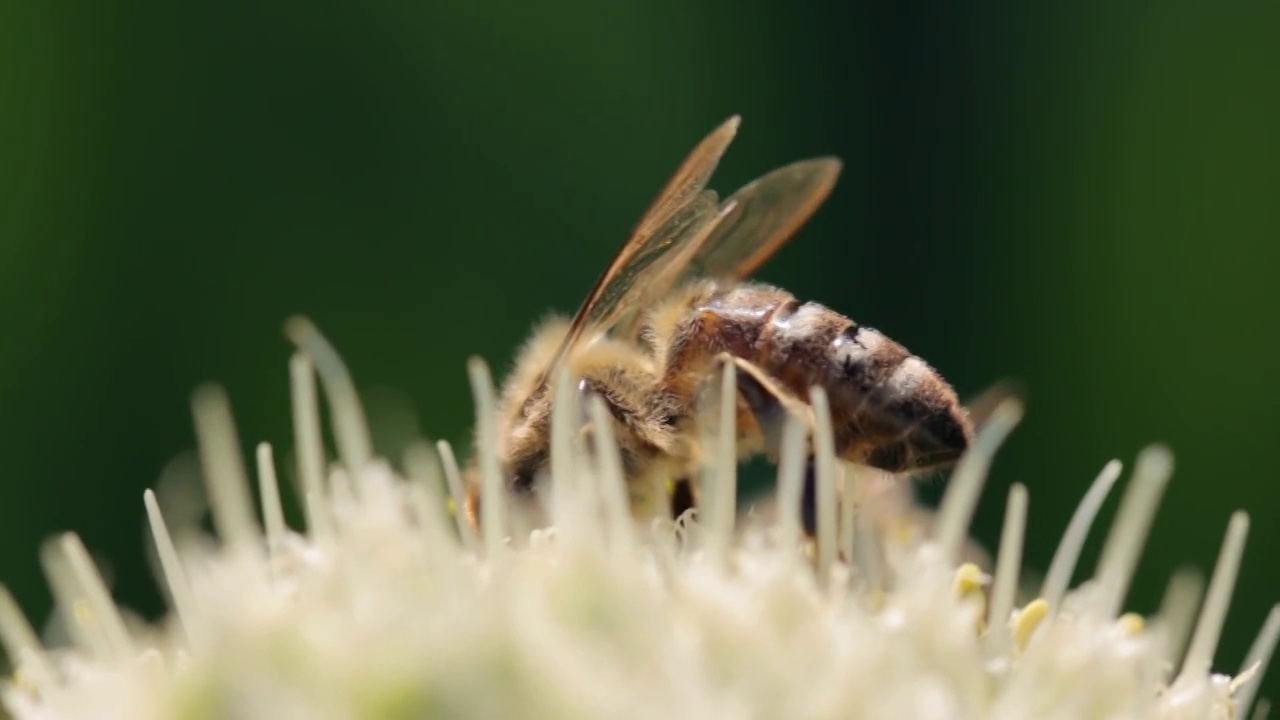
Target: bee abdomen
{"points": [[796, 343], [896, 411], [889, 409], [766, 326]]}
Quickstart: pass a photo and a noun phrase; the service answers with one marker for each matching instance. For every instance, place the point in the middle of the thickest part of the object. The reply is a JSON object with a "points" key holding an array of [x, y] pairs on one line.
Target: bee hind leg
{"points": [[770, 406]]}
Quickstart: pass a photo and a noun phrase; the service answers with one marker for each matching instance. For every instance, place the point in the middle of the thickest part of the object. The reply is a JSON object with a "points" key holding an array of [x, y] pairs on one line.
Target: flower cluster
{"points": [[389, 607]]}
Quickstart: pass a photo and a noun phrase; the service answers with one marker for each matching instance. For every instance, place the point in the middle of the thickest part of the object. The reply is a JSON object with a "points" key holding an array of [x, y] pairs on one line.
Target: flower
{"points": [[389, 607]]}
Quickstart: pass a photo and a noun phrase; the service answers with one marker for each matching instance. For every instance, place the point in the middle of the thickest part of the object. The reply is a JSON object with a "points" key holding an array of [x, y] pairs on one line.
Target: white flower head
{"points": [[390, 606]]}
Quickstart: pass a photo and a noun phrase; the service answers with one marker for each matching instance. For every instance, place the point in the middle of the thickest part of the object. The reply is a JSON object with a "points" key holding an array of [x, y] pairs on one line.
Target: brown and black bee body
{"points": [[889, 409]]}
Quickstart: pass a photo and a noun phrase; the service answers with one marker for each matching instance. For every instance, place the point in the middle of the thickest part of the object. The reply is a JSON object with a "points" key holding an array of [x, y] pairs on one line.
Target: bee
{"points": [[674, 302]]}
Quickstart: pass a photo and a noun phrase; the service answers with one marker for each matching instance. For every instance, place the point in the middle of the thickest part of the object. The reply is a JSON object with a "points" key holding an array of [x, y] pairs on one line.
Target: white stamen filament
{"points": [[563, 422], [453, 476], [427, 491], [175, 578], [867, 552], [307, 441], [790, 481], [350, 429], [1177, 613], [1259, 657], [269, 490], [966, 482], [1129, 530], [94, 590], [20, 641], [223, 467], [1218, 598], [390, 612], [612, 488], [1008, 561], [73, 610], [825, 480], [721, 485], [493, 515], [1063, 565]]}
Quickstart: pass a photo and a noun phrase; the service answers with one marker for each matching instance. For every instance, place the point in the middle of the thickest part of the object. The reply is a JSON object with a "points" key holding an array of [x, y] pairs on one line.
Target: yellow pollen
{"points": [[1132, 624], [969, 582], [969, 579], [1026, 622]]}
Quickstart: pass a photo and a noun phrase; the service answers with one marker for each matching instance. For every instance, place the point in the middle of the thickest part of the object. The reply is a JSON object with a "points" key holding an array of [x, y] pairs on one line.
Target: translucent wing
{"points": [[683, 212], [752, 225], [761, 217]]}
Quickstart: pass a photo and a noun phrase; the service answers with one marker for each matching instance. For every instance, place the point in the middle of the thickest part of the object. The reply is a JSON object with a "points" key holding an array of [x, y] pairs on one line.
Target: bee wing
{"points": [[682, 214], [762, 216], [752, 225]]}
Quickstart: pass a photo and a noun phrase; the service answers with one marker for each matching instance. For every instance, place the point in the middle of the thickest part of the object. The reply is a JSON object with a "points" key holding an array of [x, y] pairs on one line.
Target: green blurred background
{"points": [[1083, 197]]}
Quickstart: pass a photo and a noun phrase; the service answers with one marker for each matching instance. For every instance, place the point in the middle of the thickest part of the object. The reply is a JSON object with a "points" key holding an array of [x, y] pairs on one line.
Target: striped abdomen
{"points": [[889, 409]]}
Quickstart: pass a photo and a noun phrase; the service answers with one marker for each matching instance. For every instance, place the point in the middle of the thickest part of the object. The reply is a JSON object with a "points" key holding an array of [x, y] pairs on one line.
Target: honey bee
{"points": [[674, 302]]}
